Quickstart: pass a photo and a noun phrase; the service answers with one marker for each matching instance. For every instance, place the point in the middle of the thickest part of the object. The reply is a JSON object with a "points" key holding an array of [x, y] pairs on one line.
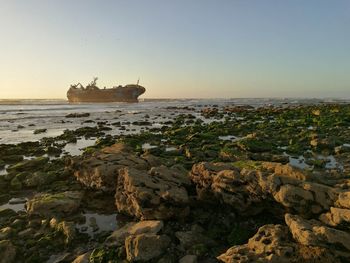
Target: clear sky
{"points": [[178, 48]]}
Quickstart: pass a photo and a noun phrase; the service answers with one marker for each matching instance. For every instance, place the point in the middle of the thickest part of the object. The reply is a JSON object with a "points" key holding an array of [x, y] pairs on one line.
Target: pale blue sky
{"points": [[179, 48]]}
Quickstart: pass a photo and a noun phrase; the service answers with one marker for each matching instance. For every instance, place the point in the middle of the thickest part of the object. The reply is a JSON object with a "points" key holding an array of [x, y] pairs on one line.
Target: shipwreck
{"points": [[91, 93]]}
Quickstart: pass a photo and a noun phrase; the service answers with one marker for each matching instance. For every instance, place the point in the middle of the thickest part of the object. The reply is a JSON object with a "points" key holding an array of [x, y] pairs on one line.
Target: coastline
{"points": [[201, 181]]}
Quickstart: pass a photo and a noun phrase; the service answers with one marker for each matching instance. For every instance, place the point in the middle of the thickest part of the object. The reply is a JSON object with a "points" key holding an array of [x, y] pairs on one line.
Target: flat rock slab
{"points": [[28, 165]]}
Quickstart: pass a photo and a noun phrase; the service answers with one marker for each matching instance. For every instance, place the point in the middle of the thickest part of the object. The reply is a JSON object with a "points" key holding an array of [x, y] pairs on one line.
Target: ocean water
{"points": [[19, 118]]}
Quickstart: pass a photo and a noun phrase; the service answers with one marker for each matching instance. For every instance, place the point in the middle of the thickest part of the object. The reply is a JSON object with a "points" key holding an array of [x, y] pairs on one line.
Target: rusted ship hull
{"points": [[128, 93]]}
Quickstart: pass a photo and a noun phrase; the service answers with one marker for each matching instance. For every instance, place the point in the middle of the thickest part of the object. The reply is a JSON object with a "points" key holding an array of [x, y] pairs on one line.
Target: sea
{"points": [[20, 118]]}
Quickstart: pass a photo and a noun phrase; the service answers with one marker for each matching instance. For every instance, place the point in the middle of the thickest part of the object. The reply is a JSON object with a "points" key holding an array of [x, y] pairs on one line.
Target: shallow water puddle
{"points": [[4, 171], [231, 138], [170, 149], [16, 204], [75, 149], [28, 157], [332, 163], [298, 162], [97, 223], [147, 146]]}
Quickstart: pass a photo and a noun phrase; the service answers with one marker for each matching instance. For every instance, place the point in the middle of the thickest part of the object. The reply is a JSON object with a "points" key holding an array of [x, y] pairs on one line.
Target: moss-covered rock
{"points": [[49, 205], [29, 165], [39, 179]]}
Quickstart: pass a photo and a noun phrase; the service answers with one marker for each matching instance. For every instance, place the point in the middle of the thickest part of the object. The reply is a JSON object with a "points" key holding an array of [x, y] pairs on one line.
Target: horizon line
{"points": [[191, 98]]}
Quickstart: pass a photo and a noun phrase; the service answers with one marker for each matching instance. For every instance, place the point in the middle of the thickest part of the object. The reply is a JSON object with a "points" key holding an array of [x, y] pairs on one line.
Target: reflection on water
{"points": [[97, 223], [302, 163]]}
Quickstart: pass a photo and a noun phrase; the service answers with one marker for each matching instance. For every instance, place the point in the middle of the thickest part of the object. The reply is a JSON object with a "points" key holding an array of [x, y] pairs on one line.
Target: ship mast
{"points": [[138, 82]]}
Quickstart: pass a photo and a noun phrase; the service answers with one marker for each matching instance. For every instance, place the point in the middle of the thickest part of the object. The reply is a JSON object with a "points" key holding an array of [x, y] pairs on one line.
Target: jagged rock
{"points": [[287, 173], [337, 217], [100, 170], [343, 200], [157, 194], [247, 184], [272, 244], [224, 182], [291, 196], [313, 233], [7, 251], [118, 237], [269, 244], [49, 205], [145, 247]]}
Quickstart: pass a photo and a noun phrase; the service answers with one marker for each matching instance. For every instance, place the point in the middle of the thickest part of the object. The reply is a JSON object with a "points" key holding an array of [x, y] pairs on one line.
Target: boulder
{"points": [[49, 205], [100, 170], [157, 194], [337, 217], [232, 185], [145, 247]]}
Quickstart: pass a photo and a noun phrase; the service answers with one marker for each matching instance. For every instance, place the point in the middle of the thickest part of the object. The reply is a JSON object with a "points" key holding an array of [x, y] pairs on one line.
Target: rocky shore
{"points": [[216, 184]]}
